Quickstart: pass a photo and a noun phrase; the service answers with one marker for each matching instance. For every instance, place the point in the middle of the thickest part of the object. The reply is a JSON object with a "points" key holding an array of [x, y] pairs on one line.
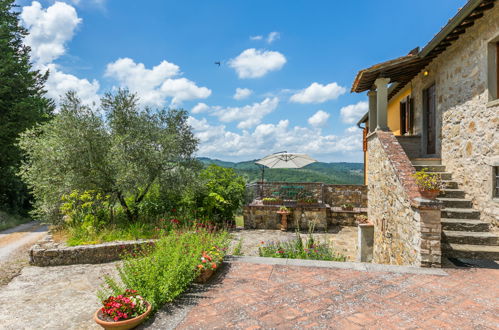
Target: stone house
{"points": [[436, 108]]}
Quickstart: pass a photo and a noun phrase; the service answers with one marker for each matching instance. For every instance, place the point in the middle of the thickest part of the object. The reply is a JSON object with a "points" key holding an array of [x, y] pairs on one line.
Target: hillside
{"points": [[333, 173]]}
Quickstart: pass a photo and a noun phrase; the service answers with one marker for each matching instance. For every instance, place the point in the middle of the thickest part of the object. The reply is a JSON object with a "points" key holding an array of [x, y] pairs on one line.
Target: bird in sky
{"points": [[218, 63]]}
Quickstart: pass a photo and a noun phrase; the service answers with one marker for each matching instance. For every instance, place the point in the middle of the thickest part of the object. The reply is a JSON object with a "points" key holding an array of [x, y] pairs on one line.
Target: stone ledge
{"points": [[48, 253]]}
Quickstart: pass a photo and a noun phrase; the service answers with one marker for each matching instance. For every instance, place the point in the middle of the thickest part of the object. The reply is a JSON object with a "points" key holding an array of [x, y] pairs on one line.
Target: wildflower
{"points": [[214, 265]]}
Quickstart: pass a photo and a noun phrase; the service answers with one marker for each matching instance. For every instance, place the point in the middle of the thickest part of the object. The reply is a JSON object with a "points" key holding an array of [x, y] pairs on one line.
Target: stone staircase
{"points": [[463, 234]]}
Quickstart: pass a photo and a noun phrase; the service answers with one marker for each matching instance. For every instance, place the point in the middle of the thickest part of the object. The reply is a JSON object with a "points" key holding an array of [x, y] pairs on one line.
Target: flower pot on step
{"points": [[124, 324], [430, 194]]}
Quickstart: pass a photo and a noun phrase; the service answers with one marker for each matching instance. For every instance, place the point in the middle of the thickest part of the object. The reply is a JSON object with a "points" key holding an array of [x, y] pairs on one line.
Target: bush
{"points": [[165, 271], [221, 194], [295, 249]]}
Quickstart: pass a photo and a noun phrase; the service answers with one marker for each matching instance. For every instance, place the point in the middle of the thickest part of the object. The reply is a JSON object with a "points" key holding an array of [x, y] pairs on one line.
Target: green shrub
{"points": [[295, 249], [221, 194], [165, 270]]}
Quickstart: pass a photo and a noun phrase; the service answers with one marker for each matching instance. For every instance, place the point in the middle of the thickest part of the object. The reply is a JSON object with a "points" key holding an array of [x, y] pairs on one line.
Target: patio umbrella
{"points": [[283, 159], [286, 160]]}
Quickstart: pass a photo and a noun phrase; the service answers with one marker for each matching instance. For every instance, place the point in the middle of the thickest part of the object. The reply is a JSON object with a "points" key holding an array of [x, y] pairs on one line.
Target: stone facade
{"points": [[49, 253], [406, 227], [467, 122]]}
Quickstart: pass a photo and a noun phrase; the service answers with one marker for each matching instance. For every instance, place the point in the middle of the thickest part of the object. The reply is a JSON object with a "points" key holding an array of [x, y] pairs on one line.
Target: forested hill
{"points": [[333, 173]]}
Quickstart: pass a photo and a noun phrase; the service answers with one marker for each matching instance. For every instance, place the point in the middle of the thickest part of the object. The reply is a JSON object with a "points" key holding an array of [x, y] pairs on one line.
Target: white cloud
{"points": [[58, 83], [242, 93], [352, 129], [319, 118], [273, 36], [249, 115], [200, 107], [318, 93], [256, 38], [49, 29], [353, 112], [156, 84], [253, 63], [218, 142]]}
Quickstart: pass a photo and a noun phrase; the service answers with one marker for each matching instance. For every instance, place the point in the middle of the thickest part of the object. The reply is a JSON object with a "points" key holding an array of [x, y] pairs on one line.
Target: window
{"points": [[406, 116], [495, 181], [493, 70]]}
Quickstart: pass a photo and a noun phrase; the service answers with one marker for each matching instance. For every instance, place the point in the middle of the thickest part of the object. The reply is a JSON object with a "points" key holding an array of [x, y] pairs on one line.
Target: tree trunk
{"points": [[131, 217]]}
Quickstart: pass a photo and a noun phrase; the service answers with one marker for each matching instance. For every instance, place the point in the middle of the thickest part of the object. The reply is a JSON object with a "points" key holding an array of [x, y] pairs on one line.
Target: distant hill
{"points": [[332, 173]]}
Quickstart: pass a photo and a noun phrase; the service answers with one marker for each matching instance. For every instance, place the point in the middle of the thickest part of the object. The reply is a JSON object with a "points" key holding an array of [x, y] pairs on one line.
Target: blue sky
{"points": [[286, 66]]}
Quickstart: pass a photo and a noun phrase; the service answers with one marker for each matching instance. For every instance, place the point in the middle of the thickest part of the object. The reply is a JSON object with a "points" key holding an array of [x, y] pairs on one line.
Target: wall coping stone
{"points": [[404, 170]]}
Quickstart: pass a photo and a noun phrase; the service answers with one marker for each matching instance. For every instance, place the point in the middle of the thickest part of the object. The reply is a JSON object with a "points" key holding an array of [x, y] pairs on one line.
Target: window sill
{"points": [[493, 103]]}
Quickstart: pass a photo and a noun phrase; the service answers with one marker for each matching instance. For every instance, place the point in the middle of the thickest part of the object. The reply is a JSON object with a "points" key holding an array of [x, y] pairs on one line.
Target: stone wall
{"points": [[49, 253], [266, 217], [468, 124], [339, 194], [406, 227]]}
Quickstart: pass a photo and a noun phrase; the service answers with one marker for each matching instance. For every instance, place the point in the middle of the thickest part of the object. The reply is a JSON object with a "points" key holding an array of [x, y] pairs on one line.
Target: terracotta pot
{"points": [[430, 194], [284, 219], [122, 325], [277, 202], [205, 275]]}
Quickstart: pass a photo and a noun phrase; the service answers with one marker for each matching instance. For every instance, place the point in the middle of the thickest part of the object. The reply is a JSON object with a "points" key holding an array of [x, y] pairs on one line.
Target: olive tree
{"points": [[118, 149]]}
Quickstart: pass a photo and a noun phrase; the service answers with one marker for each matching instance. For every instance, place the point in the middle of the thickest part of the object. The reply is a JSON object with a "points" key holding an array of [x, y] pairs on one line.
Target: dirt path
{"points": [[14, 246]]}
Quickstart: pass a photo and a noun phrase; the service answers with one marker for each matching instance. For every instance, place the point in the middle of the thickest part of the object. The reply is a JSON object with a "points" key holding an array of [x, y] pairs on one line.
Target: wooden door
{"points": [[430, 130]]}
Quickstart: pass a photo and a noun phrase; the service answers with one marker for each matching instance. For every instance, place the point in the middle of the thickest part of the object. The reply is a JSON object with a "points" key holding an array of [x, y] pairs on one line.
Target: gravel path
{"points": [[14, 246]]}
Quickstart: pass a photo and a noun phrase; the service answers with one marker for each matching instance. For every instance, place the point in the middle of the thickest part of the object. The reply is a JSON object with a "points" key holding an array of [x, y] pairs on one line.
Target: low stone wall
{"points": [[49, 253], [324, 217], [407, 227], [339, 194]]}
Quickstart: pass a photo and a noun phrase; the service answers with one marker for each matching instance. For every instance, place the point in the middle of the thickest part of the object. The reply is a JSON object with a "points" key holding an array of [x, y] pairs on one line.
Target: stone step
{"points": [[455, 202], [452, 193], [444, 176], [464, 225], [430, 168], [468, 251], [448, 184], [426, 161], [456, 213], [470, 237]]}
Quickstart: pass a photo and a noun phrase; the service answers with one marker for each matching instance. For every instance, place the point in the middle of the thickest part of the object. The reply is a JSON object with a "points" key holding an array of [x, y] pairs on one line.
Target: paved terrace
{"points": [[247, 294]]}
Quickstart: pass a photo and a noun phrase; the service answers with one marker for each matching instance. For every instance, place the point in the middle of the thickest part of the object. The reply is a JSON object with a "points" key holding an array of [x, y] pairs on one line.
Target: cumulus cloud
{"points": [[218, 142], [247, 116], [353, 112], [200, 107], [318, 93], [256, 38], [319, 118], [273, 36], [49, 29], [253, 63], [242, 93], [58, 83], [156, 84]]}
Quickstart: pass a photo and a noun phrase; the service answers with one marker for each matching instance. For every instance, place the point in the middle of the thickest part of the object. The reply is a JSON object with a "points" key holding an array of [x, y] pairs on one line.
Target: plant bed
{"points": [[123, 312]]}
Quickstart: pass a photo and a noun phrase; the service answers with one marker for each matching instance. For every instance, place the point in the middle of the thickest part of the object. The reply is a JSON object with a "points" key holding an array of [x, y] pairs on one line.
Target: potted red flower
{"points": [[123, 312], [210, 261]]}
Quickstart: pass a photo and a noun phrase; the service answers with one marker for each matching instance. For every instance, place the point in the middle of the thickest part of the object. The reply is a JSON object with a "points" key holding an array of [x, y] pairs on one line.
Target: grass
{"points": [[113, 232], [10, 220], [239, 221], [238, 248]]}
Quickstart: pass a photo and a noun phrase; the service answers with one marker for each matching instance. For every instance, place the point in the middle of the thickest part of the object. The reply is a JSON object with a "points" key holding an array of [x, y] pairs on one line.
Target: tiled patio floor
{"points": [[252, 296]]}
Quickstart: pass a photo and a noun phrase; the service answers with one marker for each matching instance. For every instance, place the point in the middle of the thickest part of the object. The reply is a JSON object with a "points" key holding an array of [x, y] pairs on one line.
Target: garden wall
{"points": [[49, 253], [407, 227], [339, 194]]}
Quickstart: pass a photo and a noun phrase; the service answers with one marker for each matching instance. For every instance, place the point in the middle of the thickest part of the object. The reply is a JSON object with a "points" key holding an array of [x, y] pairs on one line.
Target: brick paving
{"points": [[254, 296]]}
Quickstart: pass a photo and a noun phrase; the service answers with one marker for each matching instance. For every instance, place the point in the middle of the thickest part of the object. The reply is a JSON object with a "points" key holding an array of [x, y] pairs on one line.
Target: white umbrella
{"points": [[286, 160]]}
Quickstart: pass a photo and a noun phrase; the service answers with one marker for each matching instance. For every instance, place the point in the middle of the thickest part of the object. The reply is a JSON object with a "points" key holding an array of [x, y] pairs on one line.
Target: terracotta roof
{"points": [[403, 69]]}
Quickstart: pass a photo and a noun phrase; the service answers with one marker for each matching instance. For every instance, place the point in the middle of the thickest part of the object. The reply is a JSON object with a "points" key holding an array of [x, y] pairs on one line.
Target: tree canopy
{"points": [[22, 104], [118, 149]]}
